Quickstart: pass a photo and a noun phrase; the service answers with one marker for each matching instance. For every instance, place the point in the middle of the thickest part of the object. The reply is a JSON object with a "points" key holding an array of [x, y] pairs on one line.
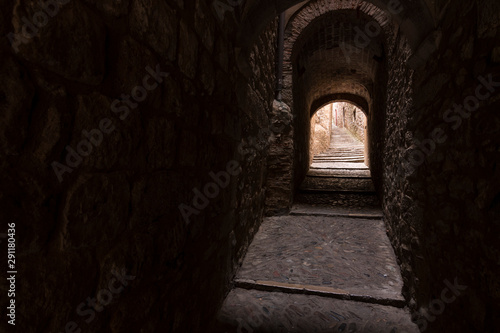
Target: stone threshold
{"points": [[333, 214], [271, 286], [339, 177], [324, 191], [337, 169]]}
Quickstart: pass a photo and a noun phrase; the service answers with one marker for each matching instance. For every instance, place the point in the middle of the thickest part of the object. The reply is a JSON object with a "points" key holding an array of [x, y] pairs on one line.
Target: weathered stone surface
{"points": [[50, 134], [321, 125], [354, 120], [488, 18], [124, 197], [254, 310], [95, 211], [83, 55], [162, 140], [188, 51], [204, 26], [115, 8], [16, 96], [207, 73], [155, 22], [129, 66], [280, 161], [91, 111]]}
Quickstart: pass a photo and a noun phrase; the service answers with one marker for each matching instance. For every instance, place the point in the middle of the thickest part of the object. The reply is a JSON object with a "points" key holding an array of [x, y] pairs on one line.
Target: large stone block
{"points": [[188, 51], [155, 22], [115, 8], [161, 144], [49, 133], [16, 96], [204, 25], [39, 34], [95, 211], [129, 69], [93, 111]]}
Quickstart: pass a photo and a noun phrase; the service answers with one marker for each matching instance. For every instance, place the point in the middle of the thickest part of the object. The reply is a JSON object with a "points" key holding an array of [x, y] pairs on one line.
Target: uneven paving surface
{"points": [[326, 267], [333, 252], [260, 311]]}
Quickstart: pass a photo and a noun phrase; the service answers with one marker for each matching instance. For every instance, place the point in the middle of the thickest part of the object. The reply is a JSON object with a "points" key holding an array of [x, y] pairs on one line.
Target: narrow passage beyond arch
{"points": [[328, 266]]}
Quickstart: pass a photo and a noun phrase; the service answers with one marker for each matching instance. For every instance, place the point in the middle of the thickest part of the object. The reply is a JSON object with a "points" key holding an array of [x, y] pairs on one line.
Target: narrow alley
{"points": [[326, 267]]}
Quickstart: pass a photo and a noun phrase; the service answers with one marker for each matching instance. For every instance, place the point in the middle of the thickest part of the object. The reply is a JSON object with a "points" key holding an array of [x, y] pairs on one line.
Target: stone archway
{"points": [[414, 18]]}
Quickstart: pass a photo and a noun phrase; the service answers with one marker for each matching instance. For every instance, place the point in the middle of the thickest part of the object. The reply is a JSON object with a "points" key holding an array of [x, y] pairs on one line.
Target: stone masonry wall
{"points": [[441, 178], [321, 128], [146, 99], [279, 185], [355, 121]]}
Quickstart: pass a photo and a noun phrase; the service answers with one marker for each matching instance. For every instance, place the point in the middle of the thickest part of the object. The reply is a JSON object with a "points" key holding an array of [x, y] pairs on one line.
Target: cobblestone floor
{"points": [[326, 267], [266, 312], [336, 252]]}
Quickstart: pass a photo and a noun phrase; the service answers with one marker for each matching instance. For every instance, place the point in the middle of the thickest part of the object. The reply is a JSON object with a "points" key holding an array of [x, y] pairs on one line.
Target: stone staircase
{"points": [[328, 266]]}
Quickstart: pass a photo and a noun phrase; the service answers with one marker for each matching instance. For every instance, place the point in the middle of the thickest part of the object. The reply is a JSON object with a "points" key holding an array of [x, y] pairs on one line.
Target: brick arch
{"points": [[356, 100], [315, 73], [413, 17], [324, 27]]}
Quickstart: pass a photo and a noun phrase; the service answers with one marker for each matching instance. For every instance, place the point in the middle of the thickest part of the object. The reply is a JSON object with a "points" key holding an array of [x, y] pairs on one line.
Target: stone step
{"points": [[319, 210], [338, 199], [345, 149], [339, 156], [272, 286], [339, 160], [339, 165], [325, 172], [338, 184], [327, 266], [333, 192], [263, 311]]}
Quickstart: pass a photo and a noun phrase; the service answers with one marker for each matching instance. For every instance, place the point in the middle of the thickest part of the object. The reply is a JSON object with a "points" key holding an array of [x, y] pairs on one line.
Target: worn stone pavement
{"points": [[328, 266]]}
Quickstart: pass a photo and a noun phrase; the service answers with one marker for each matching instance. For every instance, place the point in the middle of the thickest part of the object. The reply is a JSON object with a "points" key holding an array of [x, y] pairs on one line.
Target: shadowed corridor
{"points": [[192, 166]]}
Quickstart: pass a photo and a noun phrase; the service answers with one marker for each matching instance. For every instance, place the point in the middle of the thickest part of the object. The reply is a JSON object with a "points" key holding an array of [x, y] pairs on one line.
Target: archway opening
{"points": [[335, 121]]}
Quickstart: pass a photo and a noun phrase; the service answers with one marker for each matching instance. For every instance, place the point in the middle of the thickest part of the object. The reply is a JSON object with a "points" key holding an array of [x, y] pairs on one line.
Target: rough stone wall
{"points": [[355, 121], [338, 114], [279, 188], [441, 192], [321, 128], [118, 208]]}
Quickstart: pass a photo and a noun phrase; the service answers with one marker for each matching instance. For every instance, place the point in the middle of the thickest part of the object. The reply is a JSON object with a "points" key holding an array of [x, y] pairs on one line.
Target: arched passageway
{"points": [[143, 144]]}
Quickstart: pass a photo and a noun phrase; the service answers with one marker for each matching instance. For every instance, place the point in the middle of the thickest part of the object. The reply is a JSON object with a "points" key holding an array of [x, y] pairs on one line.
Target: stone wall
{"points": [[441, 194], [355, 121], [116, 208], [279, 188], [350, 117], [321, 128]]}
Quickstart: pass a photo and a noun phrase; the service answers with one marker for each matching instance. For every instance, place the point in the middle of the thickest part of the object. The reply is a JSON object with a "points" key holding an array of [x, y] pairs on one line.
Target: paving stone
{"points": [[326, 267], [258, 311], [354, 255]]}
